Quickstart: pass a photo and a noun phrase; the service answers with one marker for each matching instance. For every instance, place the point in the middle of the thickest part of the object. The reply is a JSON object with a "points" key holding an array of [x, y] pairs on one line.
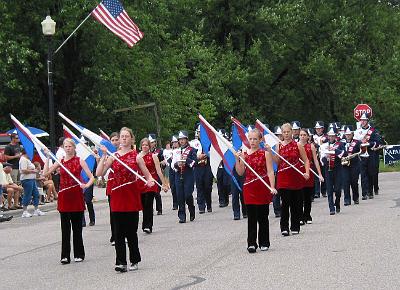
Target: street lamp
{"points": [[49, 29]]}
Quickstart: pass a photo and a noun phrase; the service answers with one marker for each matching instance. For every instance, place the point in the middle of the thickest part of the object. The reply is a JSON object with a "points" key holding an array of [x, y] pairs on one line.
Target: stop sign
{"points": [[361, 109]]}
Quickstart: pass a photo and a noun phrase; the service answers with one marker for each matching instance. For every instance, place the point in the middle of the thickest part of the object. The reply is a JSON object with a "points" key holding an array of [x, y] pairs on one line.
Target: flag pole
{"points": [[104, 134], [42, 146], [62, 44], [230, 147], [108, 151], [277, 154]]}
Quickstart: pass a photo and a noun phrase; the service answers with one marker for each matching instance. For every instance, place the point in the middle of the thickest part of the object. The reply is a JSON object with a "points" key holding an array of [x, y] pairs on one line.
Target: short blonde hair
{"points": [[70, 141], [256, 131], [287, 126]]}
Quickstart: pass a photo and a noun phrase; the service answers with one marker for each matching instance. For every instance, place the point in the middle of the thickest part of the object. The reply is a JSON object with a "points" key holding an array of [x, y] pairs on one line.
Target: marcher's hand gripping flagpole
{"points": [[36, 141], [230, 147], [108, 151], [277, 154]]}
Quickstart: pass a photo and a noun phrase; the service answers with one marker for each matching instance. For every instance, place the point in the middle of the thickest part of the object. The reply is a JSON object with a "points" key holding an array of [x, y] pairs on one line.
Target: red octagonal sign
{"points": [[361, 109]]}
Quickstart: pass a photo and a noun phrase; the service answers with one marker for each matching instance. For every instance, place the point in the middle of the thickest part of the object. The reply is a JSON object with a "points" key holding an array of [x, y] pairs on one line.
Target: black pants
{"points": [[112, 239], [223, 186], [258, 214], [126, 225], [74, 220], [291, 200], [89, 203], [308, 194], [173, 188], [147, 202], [158, 202]]}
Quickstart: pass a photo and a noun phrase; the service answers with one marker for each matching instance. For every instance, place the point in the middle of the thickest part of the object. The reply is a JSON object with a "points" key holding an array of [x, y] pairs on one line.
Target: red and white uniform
{"points": [[287, 177], [125, 194], [70, 196], [309, 182], [254, 190], [149, 161]]}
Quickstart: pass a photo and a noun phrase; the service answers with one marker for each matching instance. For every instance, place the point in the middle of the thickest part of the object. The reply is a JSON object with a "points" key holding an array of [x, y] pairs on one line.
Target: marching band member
{"points": [[71, 203], [125, 198], [370, 139], [159, 153], [351, 166], [175, 147], [148, 193], [308, 190], [203, 175], [289, 181], [296, 126], [319, 138], [183, 162], [256, 195], [331, 153]]}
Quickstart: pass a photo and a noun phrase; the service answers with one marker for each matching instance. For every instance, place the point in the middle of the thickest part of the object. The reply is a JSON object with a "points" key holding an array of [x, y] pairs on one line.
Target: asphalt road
{"points": [[356, 249]]}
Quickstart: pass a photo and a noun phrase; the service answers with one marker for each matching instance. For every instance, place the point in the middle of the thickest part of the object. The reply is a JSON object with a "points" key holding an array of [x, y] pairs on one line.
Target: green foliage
{"points": [[273, 60]]}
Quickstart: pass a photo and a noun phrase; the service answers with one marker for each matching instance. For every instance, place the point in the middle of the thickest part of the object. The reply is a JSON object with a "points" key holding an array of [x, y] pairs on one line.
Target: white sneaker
{"points": [[77, 260], [133, 267], [295, 232], [309, 222], [264, 248], [38, 212], [26, 214]]}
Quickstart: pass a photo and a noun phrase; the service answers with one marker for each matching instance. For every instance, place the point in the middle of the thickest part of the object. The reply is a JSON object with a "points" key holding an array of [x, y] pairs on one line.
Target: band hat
{"points": [[296, 125], [310, 131], [174, 138], [364, 116], [152, 138], [183, 135], [349, 129], [338, 125], [277, 130], [331, 131], [319, 125], [343, 128]]}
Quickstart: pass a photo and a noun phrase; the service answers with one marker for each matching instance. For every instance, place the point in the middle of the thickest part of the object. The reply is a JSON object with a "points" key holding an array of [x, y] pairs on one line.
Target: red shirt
{"points": [[254, 190], [151, 166], [287, 177], [70, 196], [125, 194], [109, 182], [310, 181]]}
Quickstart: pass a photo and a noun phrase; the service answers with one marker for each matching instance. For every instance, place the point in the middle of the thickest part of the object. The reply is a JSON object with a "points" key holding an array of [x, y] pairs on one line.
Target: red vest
{"points": [[310, 181], [125, 194], [254, 190], [70, 196], [287, 177], [149, 161]]}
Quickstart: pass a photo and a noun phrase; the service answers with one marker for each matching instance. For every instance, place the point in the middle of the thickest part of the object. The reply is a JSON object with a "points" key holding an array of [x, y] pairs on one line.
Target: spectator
{"points": [[46, 183], [12, 153], [13, 190], [28, 181]]}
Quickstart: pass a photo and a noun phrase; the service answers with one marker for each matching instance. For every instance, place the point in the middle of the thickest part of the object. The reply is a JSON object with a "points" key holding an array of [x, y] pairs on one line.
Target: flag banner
{"points": [[82, 151], [112, 15]]}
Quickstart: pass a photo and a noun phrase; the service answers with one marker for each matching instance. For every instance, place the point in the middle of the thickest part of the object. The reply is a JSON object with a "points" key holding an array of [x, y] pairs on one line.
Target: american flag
{"points": [[114, 17]]}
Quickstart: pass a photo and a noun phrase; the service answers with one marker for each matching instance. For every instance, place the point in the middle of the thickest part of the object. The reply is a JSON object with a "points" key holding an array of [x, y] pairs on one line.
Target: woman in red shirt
{"points": [[256, 195], [153, 165], [289, 181], [125, 200], [308, 189], [71, 203]]}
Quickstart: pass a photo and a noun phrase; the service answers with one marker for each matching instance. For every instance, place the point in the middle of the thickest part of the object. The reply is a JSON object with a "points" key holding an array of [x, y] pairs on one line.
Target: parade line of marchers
{"points": [[288, 167]]}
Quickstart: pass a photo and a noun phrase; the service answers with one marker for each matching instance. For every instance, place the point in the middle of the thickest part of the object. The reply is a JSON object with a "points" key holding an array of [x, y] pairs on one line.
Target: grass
{"points": [[389, 168]]}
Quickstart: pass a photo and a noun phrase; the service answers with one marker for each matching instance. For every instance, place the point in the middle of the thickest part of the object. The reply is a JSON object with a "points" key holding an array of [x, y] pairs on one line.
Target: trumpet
{"points": [[364, 149], [346, 160]]}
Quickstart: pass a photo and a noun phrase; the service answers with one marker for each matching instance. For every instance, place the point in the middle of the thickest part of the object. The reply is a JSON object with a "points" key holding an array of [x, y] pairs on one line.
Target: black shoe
{"points": [[324, 195], [182, 221], [174, 208], [371, 196], [251, 249], [302, 223], [121, 268], [3, 208], [356, 201], [147, 230], [202, 211], [5, 219], [91, 224], [65, 261], [364, 197], [209, 209], [337, 209], [223, 204], [347, 203], [159, 212], [317, 196], [332, 213], [236, 218], [285, 233], [192, 217], [377, 192], [277, 215]]}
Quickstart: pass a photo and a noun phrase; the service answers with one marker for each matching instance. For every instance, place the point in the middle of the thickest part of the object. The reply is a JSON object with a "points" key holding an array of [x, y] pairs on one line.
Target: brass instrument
{"points": [[346, 160], [381, 146], [364, 149]]}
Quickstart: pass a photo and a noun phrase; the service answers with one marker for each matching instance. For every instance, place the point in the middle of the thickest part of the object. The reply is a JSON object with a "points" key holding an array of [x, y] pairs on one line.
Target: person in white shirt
{"points": [[28, 180], [13, 190]]}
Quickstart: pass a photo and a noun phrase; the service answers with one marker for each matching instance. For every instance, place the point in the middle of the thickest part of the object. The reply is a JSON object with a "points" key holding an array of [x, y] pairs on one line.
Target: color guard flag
{"points": [[112, 15]]}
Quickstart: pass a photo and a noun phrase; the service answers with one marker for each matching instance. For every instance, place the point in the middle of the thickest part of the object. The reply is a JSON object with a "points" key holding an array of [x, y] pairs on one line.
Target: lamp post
{"points": [[49, 29]]}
